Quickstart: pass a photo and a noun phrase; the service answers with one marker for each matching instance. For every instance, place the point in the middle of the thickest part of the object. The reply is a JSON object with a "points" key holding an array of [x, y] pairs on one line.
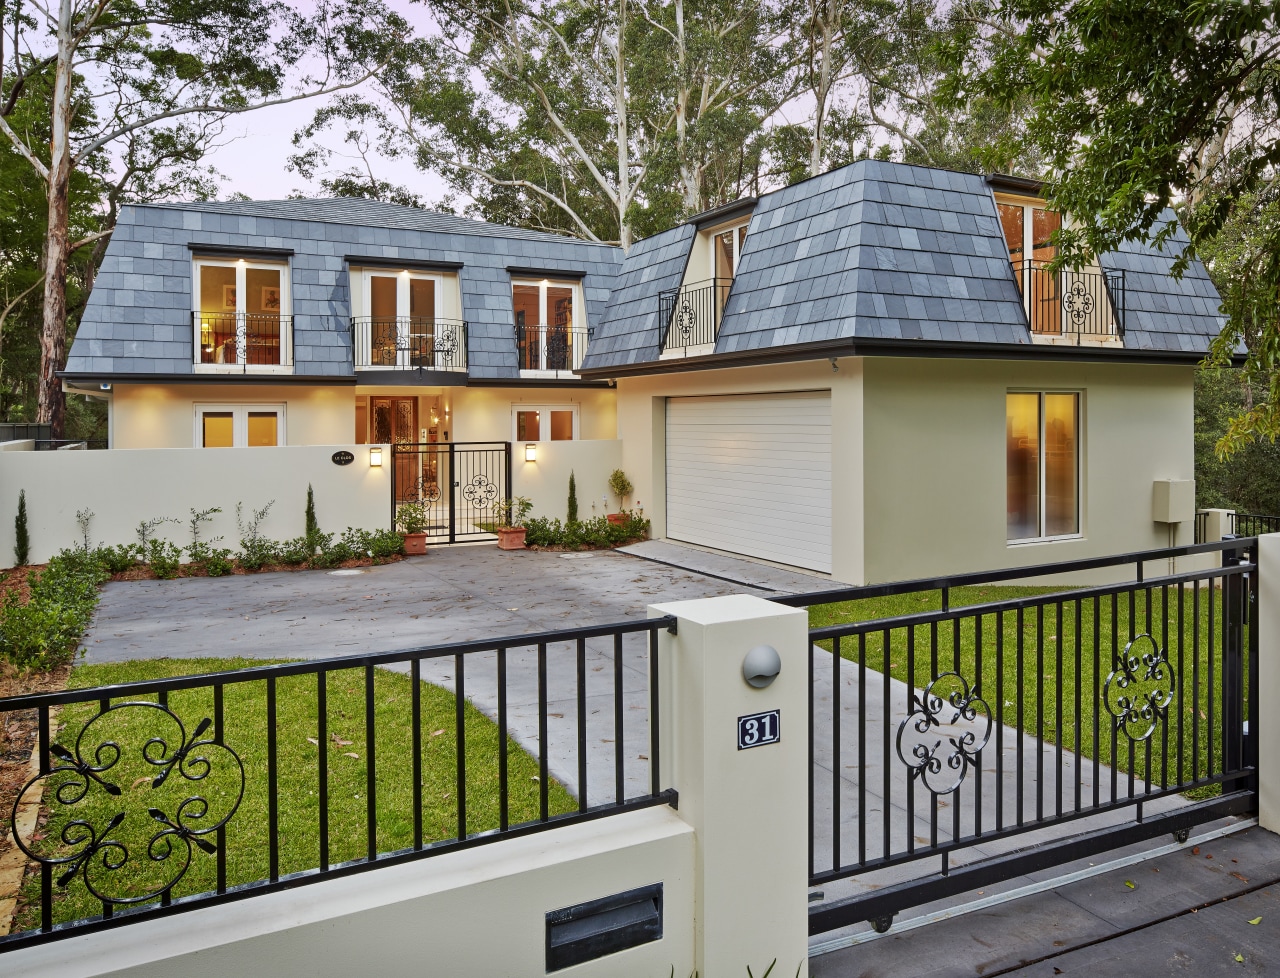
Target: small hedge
{"points": [[595, 533], [44, 630]]}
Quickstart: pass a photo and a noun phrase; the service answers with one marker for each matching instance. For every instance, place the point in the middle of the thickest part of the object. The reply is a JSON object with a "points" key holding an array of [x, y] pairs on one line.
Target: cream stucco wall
{"points": [[545, 482], [163, 416], [935, 466], [484, 413]]}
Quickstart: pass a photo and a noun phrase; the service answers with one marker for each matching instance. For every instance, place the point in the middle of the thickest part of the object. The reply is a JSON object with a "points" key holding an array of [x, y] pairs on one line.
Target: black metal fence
{"points": [[950, 728], [172, 794], [458, 484], [1073, 304], [242, 339], [72, 444], [690, 316], [1252, 524], [551, 347], [21, 431], [409, 343]]}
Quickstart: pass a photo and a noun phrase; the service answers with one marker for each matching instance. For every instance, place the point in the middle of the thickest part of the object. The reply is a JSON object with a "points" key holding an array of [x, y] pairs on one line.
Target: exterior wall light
{"points": [[375, 457], [531, 452]]}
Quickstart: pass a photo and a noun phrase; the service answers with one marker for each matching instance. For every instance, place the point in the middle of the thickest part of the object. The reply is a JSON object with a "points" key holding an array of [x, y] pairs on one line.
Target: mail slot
{"points": [[605, 926]]}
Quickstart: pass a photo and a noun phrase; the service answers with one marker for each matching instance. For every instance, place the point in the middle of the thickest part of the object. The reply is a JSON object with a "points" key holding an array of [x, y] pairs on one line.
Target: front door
{"points": [[394, 421]]}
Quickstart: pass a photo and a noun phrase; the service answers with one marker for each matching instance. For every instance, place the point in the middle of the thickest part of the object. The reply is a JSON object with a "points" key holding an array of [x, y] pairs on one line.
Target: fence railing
{"points": [[409, 343], [170, 794], [1073, 304], [690, 316], [1252, 524], [69, 444], [968, 726], [551, 347], [242, 339], [22, 431]]}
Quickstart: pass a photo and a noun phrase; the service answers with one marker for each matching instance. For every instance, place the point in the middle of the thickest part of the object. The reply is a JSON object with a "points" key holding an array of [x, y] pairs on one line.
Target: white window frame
{"points": [[544, 419], [738, 242], [242, 265], [239, 422], [1042, 517], [403, 277], [579, 323]]}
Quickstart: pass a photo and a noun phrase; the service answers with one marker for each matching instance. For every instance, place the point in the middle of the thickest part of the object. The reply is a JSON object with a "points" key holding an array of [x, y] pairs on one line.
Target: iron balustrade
{"points": [[1072, 304], [410, 342], [242, 339], [1252, 524], [691, 316], [972, 726], [1201, 527], [551, 347], [203, 755]]}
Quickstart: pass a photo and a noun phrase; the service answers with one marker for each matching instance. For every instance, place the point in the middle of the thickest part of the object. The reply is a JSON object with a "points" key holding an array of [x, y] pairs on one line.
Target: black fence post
{"points": [[454, 483], [1233, 614]]}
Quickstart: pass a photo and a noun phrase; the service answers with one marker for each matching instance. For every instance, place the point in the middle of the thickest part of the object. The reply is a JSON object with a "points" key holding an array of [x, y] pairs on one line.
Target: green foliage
{"points": [[573, 499], [295, 552], [256, 550], [592, 534], [44, 631], [412, 518], [1247, 480], [21, 534], [84, 520], [164, 559], [620, 486], [512, 512], [146, 529], [311, 533], [120, 557]]}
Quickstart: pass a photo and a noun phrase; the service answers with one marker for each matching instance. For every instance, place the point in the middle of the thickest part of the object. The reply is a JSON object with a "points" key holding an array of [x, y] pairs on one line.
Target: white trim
{"points": [[1042, 517], [403, 277], [241, 266], [714, 233], [579, 322], [544, 420], [239, 423]]}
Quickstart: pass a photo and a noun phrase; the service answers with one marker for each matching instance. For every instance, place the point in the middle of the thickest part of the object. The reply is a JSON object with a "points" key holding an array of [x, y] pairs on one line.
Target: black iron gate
{"points": [[1122, 709], [459, 484]]}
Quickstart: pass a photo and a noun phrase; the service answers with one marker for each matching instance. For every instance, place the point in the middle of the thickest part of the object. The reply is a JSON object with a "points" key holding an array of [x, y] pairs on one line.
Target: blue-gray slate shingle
{"points": [[138, 317]]}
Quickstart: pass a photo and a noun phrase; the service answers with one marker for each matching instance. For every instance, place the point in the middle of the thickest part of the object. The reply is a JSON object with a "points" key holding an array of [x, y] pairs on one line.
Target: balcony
{"points": [[409, 343], [551, 348], [1075, 308], [690, 316], [243, 340]]}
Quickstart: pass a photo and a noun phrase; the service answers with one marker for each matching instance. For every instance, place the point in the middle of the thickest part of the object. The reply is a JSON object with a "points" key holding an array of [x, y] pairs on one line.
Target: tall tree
{"points": [[153, 75]]}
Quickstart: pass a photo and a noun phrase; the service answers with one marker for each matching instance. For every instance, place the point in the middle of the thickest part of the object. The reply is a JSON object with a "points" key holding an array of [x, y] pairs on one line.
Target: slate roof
{"points": [[138, 318], [1162, 313], [630, 332]]}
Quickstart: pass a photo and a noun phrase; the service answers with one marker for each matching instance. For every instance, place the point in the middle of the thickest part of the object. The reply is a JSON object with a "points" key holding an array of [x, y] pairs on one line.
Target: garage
{"points": [[751, 474]]}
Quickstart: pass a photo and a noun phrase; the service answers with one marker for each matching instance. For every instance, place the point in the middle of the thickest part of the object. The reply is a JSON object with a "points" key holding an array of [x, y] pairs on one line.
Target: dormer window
{"points": [[551, 331], [727, 250], [241, 314]]}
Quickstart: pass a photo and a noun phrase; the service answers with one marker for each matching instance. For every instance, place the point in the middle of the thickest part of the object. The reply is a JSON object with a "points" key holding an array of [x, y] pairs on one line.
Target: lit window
{"points": [[549, 333], [1042, 446], [239, 425], [241, 313], [544, 422]]}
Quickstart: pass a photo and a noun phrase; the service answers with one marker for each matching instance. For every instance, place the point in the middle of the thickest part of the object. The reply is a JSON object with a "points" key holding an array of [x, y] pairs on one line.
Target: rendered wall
{"points": [[546, 481], [936, 469], [484, 413], [124, 488]]}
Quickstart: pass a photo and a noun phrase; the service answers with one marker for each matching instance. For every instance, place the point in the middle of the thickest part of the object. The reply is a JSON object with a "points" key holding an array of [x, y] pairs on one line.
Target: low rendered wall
{"points": [[123, 488], [546, 481], [480, 911]]}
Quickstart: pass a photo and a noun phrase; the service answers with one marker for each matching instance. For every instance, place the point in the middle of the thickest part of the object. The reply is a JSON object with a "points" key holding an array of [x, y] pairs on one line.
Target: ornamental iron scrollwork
{"points": [[98, 853], [480, 492], [1078, 302], [558, 349], [426, 491], [446, 343], [1140, 688], [686, 317], [940, 739]]}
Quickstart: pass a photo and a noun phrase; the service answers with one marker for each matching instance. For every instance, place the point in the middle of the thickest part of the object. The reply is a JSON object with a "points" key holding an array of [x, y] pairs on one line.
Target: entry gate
{"points": [[459, 484], [1043, 728]]}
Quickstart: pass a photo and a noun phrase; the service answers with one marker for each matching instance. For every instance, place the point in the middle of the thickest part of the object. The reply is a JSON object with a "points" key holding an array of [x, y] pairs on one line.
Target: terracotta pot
{"points": [[617, 519], [511, 538], [415, 543]]}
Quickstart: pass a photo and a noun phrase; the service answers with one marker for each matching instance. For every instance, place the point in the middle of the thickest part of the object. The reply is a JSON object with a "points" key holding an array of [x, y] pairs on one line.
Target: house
{"points": [[869, 374]]}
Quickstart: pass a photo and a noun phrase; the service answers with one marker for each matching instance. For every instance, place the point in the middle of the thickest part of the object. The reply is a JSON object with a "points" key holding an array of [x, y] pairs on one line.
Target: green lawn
{"points": [[1065, 648], [298, 778]]}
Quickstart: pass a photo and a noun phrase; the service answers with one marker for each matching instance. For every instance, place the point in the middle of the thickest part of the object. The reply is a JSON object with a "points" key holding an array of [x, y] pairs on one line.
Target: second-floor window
{"points": [[551, 332], [242, 313], [726, 247]]}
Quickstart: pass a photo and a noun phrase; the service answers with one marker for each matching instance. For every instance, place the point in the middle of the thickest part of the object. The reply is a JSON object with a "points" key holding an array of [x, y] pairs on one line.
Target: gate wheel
{"points": [[881, 925], [1182, 835]]}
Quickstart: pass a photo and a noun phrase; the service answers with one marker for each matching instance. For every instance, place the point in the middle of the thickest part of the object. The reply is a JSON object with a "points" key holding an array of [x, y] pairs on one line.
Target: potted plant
{"points": [[412, 520], [621, 487], [511, 516]]}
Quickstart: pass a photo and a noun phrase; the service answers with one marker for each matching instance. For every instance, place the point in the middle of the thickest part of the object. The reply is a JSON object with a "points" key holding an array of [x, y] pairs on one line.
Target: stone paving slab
{"points": [[750, 573]]}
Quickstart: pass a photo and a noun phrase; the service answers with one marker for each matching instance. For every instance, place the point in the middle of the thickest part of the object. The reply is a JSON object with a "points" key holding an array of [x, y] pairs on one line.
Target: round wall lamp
{"points": [[761, 666]]}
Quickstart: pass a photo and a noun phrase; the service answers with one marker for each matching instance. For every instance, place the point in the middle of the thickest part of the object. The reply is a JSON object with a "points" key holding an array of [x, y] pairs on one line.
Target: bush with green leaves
{"points": [[164, 558], [21, 533], [118, 558], [44, 631], [595, 533], [573, 498]]}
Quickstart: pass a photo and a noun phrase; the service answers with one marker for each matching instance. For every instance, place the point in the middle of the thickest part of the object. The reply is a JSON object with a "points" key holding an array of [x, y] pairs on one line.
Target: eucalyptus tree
{"points": [[139, 68]]}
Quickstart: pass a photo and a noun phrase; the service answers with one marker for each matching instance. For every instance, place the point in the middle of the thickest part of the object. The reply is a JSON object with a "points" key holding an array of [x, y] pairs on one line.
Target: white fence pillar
{"points": [[748, 807], [1217, 524], [1266, 726]]}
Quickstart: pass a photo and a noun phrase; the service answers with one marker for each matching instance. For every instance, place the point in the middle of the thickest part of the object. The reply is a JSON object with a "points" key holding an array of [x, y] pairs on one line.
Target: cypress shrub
{"points": [[21, 536], [573, 499]]}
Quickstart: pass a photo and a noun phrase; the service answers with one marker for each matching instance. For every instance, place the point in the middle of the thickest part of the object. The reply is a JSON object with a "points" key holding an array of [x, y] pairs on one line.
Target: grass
{"points": [[246, 849], [1062, 648]]}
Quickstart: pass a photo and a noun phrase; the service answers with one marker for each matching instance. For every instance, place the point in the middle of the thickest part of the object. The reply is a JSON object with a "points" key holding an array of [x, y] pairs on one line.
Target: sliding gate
{"points": [[957, 747], [459, 484]]}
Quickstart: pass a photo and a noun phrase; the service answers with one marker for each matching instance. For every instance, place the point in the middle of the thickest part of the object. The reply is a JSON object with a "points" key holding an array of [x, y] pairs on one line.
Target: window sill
{"points": [[1036, 541], [241, 368], [549, 375], [683, 352]]}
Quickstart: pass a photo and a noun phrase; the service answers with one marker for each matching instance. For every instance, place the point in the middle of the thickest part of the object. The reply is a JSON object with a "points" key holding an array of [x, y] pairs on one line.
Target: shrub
{"points": [[620, 486], [294, 552], [255, 549], [573, 498], [595, 533], [311, 529], [44, 631], [218, 562], [84, 518], [119, 558], [21, 535], [413, 518], [385, 543], [146, 529], [164, 559]]}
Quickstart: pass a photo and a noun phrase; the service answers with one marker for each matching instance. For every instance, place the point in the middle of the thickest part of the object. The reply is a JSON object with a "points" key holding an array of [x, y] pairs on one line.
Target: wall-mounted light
{"points": [[104, 387], [531, 452], [375, 457]]}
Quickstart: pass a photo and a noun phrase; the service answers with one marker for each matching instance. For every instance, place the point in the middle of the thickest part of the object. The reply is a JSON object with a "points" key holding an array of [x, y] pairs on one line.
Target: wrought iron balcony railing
{"points": [[551, 347], [1072, 304], [409, 343], [239, 339], [690, 316]]}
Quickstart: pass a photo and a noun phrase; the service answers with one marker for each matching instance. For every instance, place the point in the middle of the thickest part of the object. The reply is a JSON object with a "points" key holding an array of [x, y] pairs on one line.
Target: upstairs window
{"points": [[551, 333], [242, 313], [726, 248], [1028, 230]]}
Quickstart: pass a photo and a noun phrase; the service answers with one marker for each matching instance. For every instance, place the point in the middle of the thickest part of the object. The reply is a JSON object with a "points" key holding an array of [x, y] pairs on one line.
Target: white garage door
{"points": [[751, 474]]}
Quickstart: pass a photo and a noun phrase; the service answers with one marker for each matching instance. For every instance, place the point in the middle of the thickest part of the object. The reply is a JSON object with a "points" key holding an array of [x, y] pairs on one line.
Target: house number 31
{"points": [[759, 729]]}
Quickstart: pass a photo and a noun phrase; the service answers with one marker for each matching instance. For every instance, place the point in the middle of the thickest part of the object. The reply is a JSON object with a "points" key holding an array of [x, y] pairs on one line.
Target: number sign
{"points": [[759, 729]]}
